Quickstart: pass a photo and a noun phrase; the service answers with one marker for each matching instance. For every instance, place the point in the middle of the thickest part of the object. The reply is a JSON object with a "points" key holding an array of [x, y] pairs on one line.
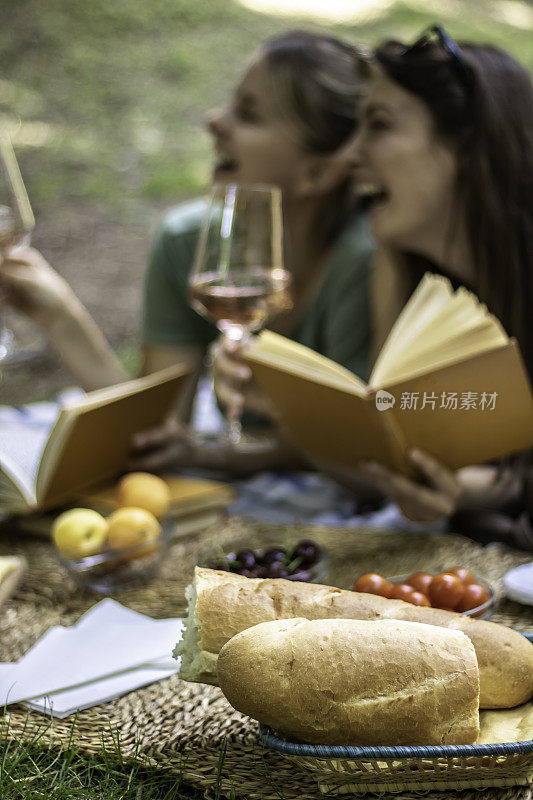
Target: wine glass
{"points": [[16, 224], [238, 279]]}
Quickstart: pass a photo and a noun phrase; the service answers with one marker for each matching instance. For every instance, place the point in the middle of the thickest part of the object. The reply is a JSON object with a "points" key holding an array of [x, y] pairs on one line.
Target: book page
{"points": [[272, 349], [21, 448], [437, 327], [434, 352], [430, 296]]}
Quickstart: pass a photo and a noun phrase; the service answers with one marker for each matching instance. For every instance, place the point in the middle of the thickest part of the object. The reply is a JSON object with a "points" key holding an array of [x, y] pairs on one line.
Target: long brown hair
{"points": [[318, 83], [488, 120]]}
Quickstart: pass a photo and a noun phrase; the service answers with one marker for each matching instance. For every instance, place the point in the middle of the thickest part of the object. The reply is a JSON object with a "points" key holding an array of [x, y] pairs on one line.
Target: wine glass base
{"points": [[252, 443], [19, 341], [7, 344], [11, 353], [219, 443]]}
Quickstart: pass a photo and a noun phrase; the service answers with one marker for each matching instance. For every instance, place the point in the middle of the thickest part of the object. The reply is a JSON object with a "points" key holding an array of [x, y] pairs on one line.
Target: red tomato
{"points": [[474, 596], [420, 581], [418, 599], [402, 591], [464, 574], [446, 590], [372, 583]]}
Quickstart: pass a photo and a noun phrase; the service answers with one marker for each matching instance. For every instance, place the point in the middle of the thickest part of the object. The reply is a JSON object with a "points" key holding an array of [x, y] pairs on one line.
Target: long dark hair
{"points": [[318, 83], [488, 120]]}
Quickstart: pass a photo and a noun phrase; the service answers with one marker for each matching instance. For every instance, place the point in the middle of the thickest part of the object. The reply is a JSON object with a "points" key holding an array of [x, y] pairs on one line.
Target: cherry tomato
{"points": [[420, 581], [418, 599], [446, 590], [402, 591], [464, 574], [474, 596], [372, 583]]}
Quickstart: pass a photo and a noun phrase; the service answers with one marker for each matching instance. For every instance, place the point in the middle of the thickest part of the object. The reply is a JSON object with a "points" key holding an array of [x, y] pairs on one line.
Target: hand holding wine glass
{"points": [[16, 223], [238, 279]]}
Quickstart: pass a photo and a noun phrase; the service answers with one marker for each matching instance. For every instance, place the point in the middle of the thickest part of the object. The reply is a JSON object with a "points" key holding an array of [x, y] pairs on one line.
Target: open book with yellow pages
{"points": [[448, 380], [89, 442]]}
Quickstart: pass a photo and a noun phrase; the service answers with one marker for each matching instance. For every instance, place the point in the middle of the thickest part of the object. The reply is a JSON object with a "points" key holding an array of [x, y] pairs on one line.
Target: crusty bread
{"points": [[12, 570], [345, 681], [222, 604]]}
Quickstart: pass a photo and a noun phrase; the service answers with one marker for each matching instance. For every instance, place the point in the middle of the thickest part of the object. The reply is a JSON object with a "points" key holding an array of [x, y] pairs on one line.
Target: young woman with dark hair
{"points": [[443, 162], [444, 158], [293, 109]]}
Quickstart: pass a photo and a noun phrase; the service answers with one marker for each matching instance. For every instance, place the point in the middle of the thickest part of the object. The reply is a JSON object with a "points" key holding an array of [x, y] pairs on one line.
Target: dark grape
{"points": [[278, 570], [273, 568], [301, 575], [246, 558], [273, 554], [307, 551], [260, 571], [275, 562]]}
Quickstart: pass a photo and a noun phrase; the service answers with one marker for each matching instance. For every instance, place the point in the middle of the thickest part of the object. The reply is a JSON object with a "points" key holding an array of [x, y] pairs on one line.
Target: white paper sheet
{"points": [[109, 651]]}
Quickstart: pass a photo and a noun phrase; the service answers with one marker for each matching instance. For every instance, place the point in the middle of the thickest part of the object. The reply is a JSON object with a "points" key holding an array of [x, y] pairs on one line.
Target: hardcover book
{"points": [[448, 380]]}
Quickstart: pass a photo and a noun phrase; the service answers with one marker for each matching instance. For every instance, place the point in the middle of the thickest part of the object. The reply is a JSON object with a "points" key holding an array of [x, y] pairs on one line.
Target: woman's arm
{"points": [[33, 287]]}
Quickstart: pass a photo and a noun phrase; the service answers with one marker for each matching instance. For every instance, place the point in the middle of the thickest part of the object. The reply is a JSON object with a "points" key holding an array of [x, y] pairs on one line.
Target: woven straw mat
{"points": [[184, 727]]}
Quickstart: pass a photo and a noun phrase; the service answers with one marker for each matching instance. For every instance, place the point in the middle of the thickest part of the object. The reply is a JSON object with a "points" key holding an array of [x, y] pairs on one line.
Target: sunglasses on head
{"points": [[437, 35]]}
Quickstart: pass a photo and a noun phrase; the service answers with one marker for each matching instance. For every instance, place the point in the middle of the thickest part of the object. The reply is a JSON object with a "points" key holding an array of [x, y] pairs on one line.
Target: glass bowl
{"points": [[112, 570], [230, 560], [484, 611]]}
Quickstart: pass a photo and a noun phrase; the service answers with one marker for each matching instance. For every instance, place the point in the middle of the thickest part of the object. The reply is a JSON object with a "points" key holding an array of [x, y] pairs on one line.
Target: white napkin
{"points": [[109, 651], [518, 584]]}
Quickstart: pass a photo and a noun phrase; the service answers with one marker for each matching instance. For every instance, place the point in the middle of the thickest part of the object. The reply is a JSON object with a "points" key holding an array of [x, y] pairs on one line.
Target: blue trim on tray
{"points": [[433, 751]]}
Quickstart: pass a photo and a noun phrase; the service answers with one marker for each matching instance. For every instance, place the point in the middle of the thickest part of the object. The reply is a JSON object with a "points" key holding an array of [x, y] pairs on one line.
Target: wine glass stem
{"points": [[234, 335]]}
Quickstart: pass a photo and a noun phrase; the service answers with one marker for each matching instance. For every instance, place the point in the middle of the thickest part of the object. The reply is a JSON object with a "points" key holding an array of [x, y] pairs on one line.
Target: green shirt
{"points": [[336, 322]]}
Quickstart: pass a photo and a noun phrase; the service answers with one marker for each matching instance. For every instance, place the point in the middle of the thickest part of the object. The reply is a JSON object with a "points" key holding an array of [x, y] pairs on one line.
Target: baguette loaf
{"points": [[352, 682], [12, 570], [222, 604]]}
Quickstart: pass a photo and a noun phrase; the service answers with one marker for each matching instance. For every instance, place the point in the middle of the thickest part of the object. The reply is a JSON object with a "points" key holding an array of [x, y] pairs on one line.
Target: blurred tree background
{"points": [[105, 100]]}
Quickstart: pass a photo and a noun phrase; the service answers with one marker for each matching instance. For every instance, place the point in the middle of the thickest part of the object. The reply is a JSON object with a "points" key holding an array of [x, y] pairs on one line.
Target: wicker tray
{"points": [[360, 770], [189, 729]]}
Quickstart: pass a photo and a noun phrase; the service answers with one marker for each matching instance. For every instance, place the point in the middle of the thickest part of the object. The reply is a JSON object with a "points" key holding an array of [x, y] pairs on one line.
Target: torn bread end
{"points": [[12, 570], [196, 664]]}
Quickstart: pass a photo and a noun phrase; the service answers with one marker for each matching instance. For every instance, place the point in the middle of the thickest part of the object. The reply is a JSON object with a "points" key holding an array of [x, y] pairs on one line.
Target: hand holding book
{"points": [[444, 491], [448, 381]]}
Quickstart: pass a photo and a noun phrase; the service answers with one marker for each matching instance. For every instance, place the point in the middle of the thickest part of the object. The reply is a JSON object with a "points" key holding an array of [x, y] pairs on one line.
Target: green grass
{"points": [[110, 94], [32, 770]]}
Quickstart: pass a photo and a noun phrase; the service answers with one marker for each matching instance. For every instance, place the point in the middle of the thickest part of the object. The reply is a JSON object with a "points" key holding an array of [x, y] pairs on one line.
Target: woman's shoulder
{"points": [[353, 251], [185, 218], [355, 236]]}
